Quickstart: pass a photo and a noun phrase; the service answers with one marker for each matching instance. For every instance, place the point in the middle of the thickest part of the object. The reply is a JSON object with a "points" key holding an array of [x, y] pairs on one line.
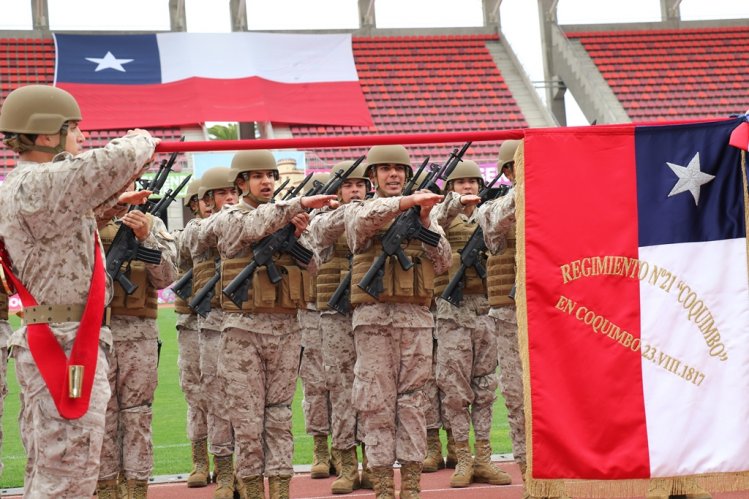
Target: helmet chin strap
{"points": [[60, 147], [255, 199]]}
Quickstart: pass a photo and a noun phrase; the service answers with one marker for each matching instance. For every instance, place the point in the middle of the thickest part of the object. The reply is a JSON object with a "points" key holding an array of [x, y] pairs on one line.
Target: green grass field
{"points": [[171, 447]]}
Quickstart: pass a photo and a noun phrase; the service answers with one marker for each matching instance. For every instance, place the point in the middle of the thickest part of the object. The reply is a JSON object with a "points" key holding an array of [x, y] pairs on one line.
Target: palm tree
{"points": [[230, 131]]}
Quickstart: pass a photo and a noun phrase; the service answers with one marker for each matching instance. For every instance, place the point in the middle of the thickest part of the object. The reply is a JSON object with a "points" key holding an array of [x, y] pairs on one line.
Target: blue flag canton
{"points": [[108, 59], [689, 185]]}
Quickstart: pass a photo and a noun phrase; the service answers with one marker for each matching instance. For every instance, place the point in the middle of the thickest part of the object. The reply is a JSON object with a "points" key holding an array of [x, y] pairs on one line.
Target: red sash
{"points": [[49, 356]]}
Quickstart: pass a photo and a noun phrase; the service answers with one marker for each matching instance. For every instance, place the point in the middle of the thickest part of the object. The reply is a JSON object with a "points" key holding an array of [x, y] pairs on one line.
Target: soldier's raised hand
{"points": [[320, 200], [470, 199], [134, 197]]}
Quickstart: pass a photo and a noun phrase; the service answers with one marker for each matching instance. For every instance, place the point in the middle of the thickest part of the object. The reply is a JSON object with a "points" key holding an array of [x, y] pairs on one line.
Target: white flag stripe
{"points": [[284, 58], [696, 429]]}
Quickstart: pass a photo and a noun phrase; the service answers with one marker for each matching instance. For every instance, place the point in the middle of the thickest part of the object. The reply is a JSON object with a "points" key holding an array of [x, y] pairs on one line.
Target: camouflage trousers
{"points": [[339, 357], [316, 402], [467, 374], [434, 414], [260, 372], [392, 366], [220, 434], [128, 448], [63, 454], [188, 342], [5, 332], [511, 384]]}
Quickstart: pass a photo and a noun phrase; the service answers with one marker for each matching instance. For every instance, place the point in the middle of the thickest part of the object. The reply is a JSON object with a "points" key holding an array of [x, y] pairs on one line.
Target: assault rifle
{"points": [[201, 302], [408, 226], [281, 241], [125, 247], [471, 253], [340, 300]]}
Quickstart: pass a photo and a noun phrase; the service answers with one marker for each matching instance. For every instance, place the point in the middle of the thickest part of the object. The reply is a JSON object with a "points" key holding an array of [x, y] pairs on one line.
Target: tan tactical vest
{"points": [[202, 273], [180, 305], [500, 271], [331, 273], [3, 304], [415, 285], [458, 233], [292, 293], [144, 302]]}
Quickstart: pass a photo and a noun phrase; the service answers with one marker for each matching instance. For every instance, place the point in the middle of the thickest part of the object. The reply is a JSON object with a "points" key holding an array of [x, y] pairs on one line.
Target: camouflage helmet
{"points": [[192, 191], [252, 161], [387, 155], [466, 169], [507, 152], [214, 178], [38, 109], [359, 173]]}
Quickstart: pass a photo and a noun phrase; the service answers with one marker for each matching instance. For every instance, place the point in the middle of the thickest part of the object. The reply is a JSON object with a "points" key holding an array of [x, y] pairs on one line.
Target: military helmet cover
{"points": [[252, 161], [507, 152], [192, 190], [38, 109], [466, 169], [386, 155], [215, 178]]}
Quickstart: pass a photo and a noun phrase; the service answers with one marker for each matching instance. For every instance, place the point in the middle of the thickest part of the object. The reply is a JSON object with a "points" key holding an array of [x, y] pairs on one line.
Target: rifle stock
{"points": [[201, 301], [182, 287]]}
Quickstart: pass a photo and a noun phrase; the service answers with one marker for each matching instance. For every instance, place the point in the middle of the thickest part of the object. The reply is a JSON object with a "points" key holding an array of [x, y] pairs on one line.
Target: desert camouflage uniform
{"points": [[393, 349], [188, 343], [316, 403], [467, 346], [259, 351], [339, 351], [497, 218], [434, 410], [220, 431], [5, 332], [128, 449], [48, 225]]}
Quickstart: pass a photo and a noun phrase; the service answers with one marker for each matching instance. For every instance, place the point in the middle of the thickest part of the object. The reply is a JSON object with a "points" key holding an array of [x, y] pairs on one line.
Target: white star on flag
{"points": [[690, 178], [109, 62]]}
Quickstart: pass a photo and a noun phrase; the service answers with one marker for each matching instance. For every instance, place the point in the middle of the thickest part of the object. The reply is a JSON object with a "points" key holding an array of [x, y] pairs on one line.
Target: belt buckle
{"points": [[3, 278]]}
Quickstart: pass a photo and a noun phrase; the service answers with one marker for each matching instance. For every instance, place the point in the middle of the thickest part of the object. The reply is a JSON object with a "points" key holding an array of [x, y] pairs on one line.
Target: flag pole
{"points": [[339, 141]]}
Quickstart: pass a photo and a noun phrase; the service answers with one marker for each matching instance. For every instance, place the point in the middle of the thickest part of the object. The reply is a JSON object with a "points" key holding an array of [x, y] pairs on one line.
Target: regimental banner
{"points": [[173, 79], [633, 306]]}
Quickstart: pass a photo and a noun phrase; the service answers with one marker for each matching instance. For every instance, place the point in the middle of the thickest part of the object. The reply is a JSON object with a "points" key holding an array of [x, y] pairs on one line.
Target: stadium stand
{"points": [[668, 74], [421, 84]]}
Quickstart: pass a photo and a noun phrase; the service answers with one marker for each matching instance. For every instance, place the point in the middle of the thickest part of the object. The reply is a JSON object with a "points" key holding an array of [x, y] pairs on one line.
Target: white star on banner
{"points": [[690, 178], [109, 62]]}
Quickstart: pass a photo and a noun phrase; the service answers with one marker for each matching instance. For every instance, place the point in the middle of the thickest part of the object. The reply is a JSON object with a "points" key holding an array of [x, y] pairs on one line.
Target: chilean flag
{"points": [[633, 251], [172, 79]]}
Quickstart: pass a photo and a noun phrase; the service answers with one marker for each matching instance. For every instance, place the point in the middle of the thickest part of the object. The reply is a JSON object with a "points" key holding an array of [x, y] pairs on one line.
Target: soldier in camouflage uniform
{"points": [[326, 230], [217, 191], [260, 342], [393, 335], [497, 219], [49, 229], [188, 343], [316, 403], [127, 453], [466, 338], [5, 332]]}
